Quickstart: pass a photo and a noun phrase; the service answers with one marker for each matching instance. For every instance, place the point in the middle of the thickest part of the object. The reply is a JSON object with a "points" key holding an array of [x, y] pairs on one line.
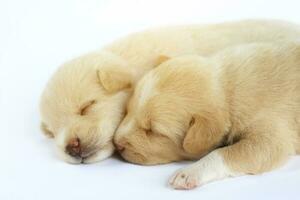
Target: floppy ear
{"points": [[115, 78], [46, 131], [161, 59], [202, 136]]}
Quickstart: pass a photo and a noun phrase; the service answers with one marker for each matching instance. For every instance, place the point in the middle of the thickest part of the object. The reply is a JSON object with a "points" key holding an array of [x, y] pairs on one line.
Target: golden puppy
{"points": [[239, 111], [84, 101]]}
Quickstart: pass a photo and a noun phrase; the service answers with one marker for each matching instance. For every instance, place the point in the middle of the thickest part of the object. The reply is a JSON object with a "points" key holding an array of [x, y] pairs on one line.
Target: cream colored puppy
{"points": [[239, 111], [84, 101]]}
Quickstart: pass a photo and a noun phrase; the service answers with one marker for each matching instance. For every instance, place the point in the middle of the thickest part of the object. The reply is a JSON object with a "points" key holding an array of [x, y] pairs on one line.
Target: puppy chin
{"points": [[66, 157], [91, 157], [96, 157], [133, 157], [100, 155]]}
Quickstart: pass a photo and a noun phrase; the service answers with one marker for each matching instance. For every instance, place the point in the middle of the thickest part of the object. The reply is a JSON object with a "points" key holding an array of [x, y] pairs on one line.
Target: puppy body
{"points": [[84, 102], [240, 109], [142, 51]]}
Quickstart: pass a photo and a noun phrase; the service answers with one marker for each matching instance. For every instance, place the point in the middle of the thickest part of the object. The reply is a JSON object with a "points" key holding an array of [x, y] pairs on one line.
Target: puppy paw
{"points": [[209, 168], [185, 179]]}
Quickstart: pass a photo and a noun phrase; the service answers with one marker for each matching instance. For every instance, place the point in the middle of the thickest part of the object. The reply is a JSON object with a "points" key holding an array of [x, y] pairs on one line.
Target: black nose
{"points": [[73, 147]]}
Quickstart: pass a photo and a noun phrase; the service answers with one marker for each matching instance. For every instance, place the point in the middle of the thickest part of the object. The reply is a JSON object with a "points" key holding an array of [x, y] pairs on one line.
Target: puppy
{"points": [[84, 101], [239, 111]]}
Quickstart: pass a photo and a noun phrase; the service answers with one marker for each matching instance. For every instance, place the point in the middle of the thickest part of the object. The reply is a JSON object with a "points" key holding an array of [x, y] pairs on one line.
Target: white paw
{"points": [[187, 178], [209, 168]]}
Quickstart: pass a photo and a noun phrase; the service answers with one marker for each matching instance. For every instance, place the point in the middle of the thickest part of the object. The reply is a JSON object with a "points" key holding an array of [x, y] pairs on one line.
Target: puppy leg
{"points": [[209, 168], [258, 151]]}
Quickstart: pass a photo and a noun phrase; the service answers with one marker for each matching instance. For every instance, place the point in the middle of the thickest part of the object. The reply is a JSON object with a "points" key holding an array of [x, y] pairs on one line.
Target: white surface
{"points": [[37, 36]]}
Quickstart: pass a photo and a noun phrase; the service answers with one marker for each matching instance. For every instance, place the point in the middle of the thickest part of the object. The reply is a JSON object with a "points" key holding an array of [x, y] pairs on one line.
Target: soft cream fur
{"points": [[238, 110], [84, 101]]}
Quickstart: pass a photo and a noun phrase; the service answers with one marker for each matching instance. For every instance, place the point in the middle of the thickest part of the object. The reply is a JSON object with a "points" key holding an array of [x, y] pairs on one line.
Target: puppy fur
{"points": [[84, 101], [238, 110]]}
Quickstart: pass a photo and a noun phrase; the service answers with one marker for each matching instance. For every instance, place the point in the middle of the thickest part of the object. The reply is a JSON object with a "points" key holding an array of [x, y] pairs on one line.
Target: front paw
{"points": [[209, 168], [185, 179]]}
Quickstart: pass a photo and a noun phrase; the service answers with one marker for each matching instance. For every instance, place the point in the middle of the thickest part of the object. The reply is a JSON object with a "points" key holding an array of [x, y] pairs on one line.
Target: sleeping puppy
{"points": [[239, 111], [84, 101]]}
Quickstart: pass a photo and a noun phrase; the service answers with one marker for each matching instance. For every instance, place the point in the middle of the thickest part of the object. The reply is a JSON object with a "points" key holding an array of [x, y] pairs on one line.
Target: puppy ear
{"points": [[46, 131], [115, 78], [202, 136], [161, 59]]}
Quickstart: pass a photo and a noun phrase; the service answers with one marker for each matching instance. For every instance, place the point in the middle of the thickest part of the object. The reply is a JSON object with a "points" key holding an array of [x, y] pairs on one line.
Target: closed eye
{"points": [[86, 107], [148, 131]]}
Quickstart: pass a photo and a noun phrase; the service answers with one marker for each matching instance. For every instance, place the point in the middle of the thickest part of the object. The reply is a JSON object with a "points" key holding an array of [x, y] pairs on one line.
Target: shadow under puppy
{"points": [[238, 111]]}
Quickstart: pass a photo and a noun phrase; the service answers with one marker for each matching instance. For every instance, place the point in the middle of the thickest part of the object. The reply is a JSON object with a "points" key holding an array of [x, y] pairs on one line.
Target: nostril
{"points": [[74, 147], [75, 142], [120, 148]]}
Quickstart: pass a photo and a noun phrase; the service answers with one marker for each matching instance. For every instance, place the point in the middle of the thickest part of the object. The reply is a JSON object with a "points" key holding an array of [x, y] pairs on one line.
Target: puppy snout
{"points": [[121, 145], [73, 147]]}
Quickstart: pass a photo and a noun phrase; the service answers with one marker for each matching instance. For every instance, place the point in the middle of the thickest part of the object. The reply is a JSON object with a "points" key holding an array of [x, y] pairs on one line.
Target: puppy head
{"points": [[175, 113], [83, 104]]}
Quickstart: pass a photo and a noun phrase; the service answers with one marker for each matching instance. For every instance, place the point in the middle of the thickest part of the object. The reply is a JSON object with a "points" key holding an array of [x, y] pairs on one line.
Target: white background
{"points": [[37, 36]]}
